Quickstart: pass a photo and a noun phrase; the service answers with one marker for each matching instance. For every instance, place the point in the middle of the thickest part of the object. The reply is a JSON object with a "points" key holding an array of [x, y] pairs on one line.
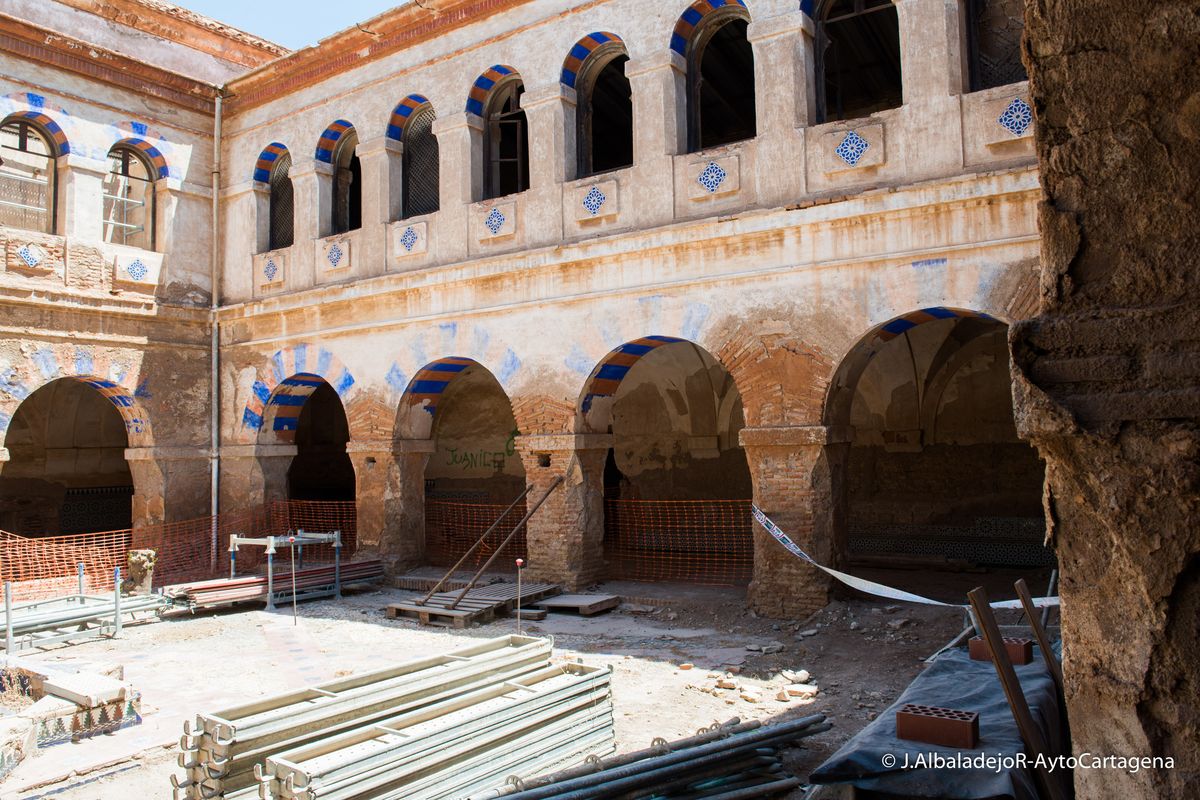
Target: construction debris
{"points": [[734, 760], [405, 724], [72, 617]]}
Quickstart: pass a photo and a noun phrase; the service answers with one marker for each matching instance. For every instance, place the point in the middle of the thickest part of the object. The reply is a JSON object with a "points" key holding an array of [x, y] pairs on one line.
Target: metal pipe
{"points": [[762, 790], [694, 756], [8, 618], [478, 542], [117, 602], [554, 485], [79, 571], [215, 344], [1049, 594]]}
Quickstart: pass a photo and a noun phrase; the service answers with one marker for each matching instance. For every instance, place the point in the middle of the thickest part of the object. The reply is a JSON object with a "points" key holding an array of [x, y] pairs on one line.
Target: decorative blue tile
{"points": [[711, 177], [137, 270], [1017, 118], [494, 221], [408, 238], [270, 269], [593, 200], [852, 148], [334, 254], [31, 255]]}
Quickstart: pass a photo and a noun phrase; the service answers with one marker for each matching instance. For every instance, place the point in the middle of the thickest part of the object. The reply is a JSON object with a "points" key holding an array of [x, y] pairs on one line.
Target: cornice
{"points": [[50, 48], [377, 38]]}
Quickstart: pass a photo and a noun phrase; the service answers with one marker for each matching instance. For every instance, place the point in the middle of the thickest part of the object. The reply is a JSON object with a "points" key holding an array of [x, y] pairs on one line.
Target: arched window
{"points": [[506, 141], [347, 184], [720, 76], [595, 68], [420, 168], [129, 199], [27, 177], [282, 215], [858, 59], [994, 42]]}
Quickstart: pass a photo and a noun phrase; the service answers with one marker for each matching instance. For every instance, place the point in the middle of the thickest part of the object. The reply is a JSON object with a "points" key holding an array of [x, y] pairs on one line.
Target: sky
{"points": [[303, 22]]}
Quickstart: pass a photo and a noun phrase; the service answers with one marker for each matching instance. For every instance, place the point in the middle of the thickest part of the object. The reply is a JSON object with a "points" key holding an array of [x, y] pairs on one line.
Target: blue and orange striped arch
{"points": [[330, 138], [401, 114], [431, 380], [484, 84], [158, 161], [266, 161], [906, 322], [59, 145], [581, 50], [693, 15], [607, 377], [279, 391]]}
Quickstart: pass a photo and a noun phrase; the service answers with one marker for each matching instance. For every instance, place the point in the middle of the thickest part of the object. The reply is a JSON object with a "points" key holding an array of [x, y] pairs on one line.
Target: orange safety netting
{"points": [[699, 541], [189, 550], [451, 528]]}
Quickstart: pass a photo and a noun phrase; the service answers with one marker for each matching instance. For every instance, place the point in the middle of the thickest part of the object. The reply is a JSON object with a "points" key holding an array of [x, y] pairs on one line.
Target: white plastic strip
{"points": [[871, 587]]}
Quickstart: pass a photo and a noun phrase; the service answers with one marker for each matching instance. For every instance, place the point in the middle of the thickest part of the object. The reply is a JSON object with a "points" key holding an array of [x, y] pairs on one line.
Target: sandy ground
{"points": [[860, 652]]}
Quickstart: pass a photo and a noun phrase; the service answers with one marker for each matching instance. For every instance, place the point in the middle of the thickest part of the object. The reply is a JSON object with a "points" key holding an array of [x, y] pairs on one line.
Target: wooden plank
{"points": [[1031, 734], [584, 604], [1039, 633]]}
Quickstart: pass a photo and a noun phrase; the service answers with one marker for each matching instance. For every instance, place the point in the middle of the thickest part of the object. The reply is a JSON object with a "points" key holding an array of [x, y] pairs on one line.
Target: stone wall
{"points": [[1107, 385]]}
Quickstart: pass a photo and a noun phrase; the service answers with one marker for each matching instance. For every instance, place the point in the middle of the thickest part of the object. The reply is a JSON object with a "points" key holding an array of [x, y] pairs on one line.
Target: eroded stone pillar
{"points": [[932, 72], [390, 498], [254, 475], [566, 535], [797, 474], [170, 484]]}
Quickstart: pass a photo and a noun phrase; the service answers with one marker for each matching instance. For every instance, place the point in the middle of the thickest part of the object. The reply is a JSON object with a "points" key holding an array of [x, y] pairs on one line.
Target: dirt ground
{"points": [[860, 652]]}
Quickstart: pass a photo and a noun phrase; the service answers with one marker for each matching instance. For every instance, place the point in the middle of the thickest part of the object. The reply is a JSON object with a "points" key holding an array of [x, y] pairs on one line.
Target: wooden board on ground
{"points": [[584, 604], [480, 605]]}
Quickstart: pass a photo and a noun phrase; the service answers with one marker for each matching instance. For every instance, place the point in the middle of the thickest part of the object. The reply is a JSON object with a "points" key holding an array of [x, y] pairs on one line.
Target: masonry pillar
{"points": [[551, 142], [785, 102], [797, 474], [254, 475], [391, 500], [659, 132], [460, 179], [566, 535], [931, 66], [79, 203], [380, 159], [312, 197], [170, 484]]}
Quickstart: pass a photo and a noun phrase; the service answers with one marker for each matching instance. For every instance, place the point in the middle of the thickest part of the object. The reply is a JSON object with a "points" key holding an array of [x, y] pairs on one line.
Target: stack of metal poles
{"points": [[734, 762], [223, 748]]}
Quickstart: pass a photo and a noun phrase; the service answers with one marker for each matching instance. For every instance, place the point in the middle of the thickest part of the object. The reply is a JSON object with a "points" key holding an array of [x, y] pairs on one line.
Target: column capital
{"points": [[258, 450], [781, 25], [540, 95], [452, 122], [402, 446], [563, 442], [793, 436], [76, 161], [661, 59], [378, 145], [166, 453], [308, 168]]}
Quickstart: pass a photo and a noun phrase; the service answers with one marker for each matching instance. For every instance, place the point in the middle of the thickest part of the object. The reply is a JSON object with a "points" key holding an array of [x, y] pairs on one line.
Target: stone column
{"points": [[253, 475], [797, 474], [932, 70], [245, 231], [659, 132], [391, 500], [79, 203], [460, 179], [566, 535], [550, 111], [785, 102], [170, 484], [381, 162]]}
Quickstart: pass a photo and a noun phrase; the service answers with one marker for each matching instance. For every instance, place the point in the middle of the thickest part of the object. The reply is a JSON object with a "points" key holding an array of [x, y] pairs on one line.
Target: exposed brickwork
{"points": [[781, 378], [371, 418], [53, 250], [542, 414]]}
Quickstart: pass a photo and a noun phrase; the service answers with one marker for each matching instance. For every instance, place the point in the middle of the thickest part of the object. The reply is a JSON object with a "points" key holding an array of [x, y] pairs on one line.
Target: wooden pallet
{"points": [[583, 604], [481, 605]]}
